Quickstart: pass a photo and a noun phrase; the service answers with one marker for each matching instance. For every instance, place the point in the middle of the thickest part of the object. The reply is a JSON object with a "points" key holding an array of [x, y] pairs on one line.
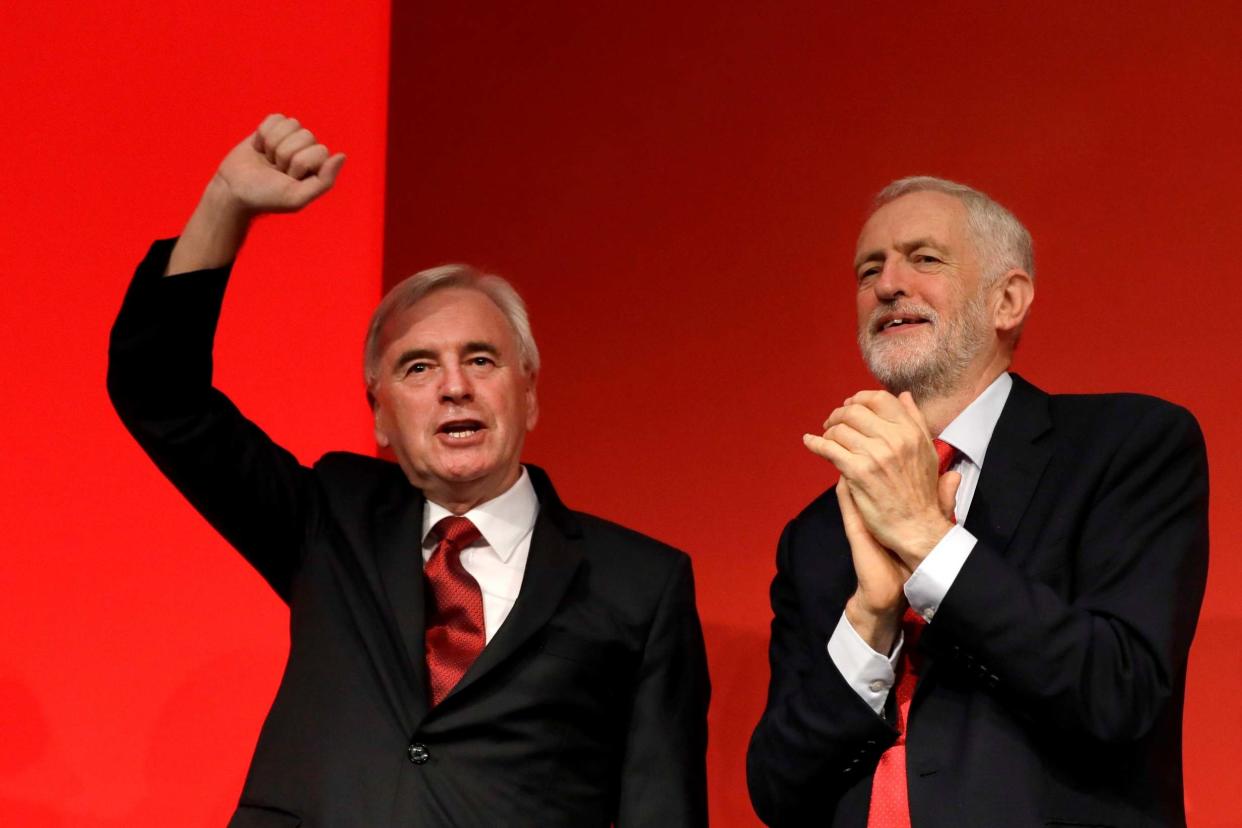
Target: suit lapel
{"points": [[399, 525], [1015, 462], [550, 568]]}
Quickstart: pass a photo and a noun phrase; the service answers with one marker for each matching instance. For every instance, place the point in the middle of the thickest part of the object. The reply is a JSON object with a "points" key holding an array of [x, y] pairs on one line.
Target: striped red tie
{"points": [[454, 636], [890, 802]]}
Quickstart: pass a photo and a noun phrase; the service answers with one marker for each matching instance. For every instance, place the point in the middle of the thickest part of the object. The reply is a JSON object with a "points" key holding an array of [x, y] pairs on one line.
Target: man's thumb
{"points": [[947, 490]]}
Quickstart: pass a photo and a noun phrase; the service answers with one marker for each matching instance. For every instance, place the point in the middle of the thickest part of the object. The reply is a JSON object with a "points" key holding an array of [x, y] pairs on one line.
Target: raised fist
{"points": [[278, 169]]}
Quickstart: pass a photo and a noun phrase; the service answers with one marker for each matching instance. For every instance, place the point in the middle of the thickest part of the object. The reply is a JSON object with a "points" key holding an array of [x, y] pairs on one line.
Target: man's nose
{"points": [[455, 384], [892, 281]]}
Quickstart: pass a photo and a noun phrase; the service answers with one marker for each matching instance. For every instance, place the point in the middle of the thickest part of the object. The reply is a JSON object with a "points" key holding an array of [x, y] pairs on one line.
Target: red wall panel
{"points": [[138, 652], [677, 188]]}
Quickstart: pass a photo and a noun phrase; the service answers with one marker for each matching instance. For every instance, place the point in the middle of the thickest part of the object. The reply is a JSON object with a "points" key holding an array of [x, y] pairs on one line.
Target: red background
{"points": [[676, 191]]}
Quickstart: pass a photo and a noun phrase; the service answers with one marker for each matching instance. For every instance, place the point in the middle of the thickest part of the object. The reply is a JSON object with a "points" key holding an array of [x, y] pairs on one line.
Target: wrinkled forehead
{"points": [[926, 215]]}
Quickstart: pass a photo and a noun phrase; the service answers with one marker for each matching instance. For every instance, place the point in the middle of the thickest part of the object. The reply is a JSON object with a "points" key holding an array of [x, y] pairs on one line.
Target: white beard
{"points": [[930, 363]]}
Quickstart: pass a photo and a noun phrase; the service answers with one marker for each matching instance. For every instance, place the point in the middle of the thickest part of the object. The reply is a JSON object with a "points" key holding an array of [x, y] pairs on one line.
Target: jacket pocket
{"points": [[572, 648]]}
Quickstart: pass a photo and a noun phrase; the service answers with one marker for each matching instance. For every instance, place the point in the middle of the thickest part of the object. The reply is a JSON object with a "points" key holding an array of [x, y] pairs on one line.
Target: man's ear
{"points": [[532, 403], [1014, 293], [381, 437]]}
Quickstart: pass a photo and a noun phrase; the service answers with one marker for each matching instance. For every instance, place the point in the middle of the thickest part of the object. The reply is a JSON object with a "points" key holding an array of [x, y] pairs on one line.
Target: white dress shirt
{"points": [[497, 560], [872, 674]]}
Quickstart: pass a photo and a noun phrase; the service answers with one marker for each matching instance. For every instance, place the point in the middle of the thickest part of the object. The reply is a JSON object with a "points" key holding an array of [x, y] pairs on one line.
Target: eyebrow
{"points": [[426, 353], [481, 347], [411, 355], [904, 247]]}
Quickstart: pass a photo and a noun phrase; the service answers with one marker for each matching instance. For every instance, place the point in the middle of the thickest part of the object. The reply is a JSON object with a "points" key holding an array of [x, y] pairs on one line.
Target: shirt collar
{"points": [[503, 521], [971, 431]]}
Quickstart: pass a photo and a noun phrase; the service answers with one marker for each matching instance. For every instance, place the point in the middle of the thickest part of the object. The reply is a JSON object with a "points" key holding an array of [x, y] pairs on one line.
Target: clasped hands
{"points": [[894, 505]]}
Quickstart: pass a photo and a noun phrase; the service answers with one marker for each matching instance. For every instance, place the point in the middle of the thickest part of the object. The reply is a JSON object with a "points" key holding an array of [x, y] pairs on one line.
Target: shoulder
{"points": [[601, 534], [617, 561], [1124, 418], [1112, 408], [1111, 441], [1094, 421], [599, 539], [346, 464], [359, 479], [1118, 406]]}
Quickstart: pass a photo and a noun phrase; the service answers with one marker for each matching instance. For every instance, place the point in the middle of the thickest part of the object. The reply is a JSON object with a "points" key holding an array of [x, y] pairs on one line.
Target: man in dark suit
{"points": [[534, 667], [990, 628]]}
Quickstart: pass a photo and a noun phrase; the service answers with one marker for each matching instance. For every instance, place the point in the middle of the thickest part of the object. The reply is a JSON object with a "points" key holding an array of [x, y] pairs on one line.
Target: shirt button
{"points": [[419, 754], [877, 686], [929, 613]]}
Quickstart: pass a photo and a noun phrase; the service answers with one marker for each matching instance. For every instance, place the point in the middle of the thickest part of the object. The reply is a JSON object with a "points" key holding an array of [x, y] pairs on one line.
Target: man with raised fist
{"points": [[465, 650]]}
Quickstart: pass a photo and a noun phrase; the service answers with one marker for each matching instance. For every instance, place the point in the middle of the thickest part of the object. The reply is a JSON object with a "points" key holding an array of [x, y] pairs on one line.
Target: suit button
{"points": [[419, 754]]}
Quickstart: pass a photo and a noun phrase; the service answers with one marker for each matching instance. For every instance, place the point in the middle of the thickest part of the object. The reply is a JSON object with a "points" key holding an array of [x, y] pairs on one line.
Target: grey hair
{"points": [[1002, 241], [412, 290]]}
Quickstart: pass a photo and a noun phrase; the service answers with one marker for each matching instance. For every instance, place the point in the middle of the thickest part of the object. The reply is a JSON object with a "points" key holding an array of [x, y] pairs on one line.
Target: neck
{"points": [[941, 409], [460, 499], [458, 506]]}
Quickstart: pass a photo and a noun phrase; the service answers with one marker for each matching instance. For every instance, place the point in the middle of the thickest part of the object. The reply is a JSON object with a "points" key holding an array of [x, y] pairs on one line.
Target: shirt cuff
{"points": [[929, 583], [868, 672]]}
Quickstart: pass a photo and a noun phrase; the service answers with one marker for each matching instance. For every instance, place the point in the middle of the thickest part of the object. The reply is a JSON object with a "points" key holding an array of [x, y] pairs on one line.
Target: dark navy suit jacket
{"points": [[587, 708], [1055, 667]]}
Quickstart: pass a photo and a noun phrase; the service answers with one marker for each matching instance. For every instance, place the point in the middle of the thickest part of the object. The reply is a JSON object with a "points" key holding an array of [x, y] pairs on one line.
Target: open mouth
{"points": [[460, 429], [899, 323]]}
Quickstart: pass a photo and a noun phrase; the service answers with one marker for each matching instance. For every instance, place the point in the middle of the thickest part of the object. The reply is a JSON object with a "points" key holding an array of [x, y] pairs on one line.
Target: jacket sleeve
{"points": [[817, 739], [663, 774], [252, 491]]}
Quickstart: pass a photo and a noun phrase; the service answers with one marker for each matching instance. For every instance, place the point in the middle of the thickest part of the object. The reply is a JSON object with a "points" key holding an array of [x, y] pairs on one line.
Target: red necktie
{"points": [[454, 636], [890, 803]]}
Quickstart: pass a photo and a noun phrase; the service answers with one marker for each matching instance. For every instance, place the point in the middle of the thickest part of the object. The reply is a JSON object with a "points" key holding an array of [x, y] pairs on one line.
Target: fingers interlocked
{"points": [[881, 446]]}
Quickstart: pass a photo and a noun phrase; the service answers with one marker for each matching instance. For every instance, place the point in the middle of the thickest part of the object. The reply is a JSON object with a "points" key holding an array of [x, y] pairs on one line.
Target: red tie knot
{"points": [[457, 532], [946, 454]]}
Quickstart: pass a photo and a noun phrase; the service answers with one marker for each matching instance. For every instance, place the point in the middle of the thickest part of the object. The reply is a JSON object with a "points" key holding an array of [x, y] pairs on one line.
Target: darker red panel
{"points": [[676, 190]]}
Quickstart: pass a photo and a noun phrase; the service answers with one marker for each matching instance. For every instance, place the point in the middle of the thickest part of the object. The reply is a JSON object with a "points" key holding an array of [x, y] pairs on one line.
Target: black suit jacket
{"points": [[588, 707], [1055, 666]]}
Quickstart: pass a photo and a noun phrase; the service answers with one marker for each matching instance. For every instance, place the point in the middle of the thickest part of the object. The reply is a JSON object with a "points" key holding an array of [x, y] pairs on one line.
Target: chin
{"points": [[465, 474], [895, 382], [899, 365], [924, 378]]}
